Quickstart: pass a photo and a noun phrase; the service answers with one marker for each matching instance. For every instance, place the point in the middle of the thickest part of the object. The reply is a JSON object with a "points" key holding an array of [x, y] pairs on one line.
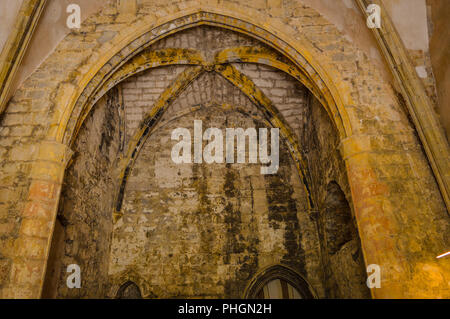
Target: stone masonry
{"points": [[86, 175]]}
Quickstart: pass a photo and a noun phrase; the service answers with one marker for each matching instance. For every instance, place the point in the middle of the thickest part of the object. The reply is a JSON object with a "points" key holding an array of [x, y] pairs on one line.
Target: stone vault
{"points": [[87, 177]]}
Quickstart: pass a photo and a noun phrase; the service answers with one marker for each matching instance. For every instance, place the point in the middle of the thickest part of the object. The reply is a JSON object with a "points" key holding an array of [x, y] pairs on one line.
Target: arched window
{"points": [[129, 290], [278, 282], [278, 289]]}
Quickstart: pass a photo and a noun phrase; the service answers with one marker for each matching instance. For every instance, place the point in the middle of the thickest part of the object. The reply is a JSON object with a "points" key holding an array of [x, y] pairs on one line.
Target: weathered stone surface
{"points": [[365, 143]]}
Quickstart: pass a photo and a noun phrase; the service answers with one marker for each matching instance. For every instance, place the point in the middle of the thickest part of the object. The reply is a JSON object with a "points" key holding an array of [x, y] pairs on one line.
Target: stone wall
{"points": [[204, 230], [200, 230], [341, 252], [85, 207], [401, 217], [438, 12]]}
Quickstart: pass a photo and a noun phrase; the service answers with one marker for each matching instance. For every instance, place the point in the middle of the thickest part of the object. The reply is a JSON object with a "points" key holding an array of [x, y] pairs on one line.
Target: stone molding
{"points": [[419, 105], [16, 45]]}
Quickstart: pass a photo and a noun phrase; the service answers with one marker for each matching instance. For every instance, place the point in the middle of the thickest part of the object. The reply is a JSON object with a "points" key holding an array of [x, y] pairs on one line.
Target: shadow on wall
{"points": [[345, 275]]}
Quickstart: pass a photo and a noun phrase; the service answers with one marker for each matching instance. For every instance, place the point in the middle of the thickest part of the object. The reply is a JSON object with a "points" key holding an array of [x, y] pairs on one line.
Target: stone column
{"points": [[383, 229], [375, 225], [35, 235]]}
